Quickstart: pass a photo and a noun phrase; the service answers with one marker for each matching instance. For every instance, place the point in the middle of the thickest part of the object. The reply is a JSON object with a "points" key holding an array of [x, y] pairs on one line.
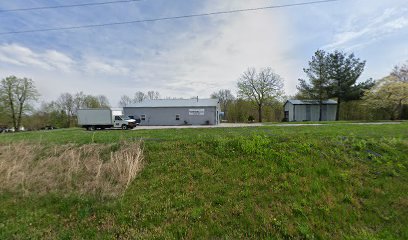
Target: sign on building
{"points": [[196, 112]]}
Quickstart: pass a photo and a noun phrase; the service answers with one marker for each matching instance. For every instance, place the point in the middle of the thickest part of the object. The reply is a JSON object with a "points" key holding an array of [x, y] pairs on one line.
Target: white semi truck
{"points": [[101, 118]]}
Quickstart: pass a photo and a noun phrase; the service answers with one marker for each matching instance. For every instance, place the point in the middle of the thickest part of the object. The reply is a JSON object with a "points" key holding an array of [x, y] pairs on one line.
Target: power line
{"points": [[166, 18], [67, 6]]}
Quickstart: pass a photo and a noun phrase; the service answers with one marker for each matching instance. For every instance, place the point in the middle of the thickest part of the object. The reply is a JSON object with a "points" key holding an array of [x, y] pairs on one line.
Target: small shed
{"points": [[309, 110], [173, 112]]}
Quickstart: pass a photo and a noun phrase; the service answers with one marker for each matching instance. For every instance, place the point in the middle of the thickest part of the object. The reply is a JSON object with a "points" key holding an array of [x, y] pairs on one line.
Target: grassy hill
{"points": [[310, 182]]}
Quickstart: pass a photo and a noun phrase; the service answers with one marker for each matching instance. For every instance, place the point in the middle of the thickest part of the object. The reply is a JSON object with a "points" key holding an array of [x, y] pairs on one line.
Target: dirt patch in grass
{"points": [[101, 169]]}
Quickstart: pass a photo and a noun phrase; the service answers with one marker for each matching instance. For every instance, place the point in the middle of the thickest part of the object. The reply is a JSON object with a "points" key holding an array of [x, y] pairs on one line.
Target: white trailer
{"points": [[101, 118]]}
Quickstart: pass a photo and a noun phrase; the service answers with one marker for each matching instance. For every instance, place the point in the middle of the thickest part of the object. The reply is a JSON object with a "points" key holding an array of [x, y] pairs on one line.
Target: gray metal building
{"points": [[173, 112], [309, 110]]}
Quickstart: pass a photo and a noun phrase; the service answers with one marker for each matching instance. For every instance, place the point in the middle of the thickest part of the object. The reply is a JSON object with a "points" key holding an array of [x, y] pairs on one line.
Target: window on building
{"points": [[177, 116], [143, 117]]}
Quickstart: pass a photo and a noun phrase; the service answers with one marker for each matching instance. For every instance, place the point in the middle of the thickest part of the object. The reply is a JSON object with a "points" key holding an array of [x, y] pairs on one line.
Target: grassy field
{"points": [[310, 182]]}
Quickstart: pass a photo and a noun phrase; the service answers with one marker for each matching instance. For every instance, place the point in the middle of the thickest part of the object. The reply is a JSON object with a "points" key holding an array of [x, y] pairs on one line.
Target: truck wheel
{"points": [[124, 127], [91, 128]]}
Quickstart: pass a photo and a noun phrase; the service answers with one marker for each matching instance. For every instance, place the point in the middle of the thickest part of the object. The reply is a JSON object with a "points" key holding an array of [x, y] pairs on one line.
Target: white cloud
{"points": [[48, 60], [185, 58], [93, 66], [52, 60], [363, 32], [19, 55], [208, 56], [399, 23], [205, 61], [58, 60]]}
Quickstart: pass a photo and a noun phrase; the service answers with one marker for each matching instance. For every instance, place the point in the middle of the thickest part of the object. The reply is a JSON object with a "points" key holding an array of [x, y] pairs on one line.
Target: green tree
{"points": [[344, 70], [388, 94], [226, 98], [16, 95], [56, 116], [4, 121], [260, 87], [91, 102], [67, 104], [317, 85], [70, 103], [333, 75]]}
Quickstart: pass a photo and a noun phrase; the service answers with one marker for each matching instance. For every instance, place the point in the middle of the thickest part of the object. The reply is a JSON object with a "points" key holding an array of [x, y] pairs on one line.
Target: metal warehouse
{"points": [[309, 110], [172, 112]]}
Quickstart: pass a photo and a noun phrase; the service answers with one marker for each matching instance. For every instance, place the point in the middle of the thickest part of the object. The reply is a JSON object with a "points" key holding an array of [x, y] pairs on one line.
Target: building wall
{"points": [[166, 116], [331, 113], [289, 108], [300, 113]]}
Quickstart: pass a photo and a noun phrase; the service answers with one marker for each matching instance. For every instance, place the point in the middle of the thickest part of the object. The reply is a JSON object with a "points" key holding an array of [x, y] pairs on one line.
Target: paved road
{"points": [[232, 125], [222, 125]]}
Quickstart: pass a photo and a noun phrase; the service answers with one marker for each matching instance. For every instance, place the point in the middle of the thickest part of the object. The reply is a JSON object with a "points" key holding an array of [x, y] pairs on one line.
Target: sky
{"points": [[194, 56]]}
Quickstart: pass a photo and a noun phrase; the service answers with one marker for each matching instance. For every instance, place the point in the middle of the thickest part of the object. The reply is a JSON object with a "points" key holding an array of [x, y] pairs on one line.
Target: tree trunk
{"points": [[392, 116], [400, 109], [260, 113], [320, 111], [13, 114], [225, 112], [69, 120], [338, 109], [20, 112]]}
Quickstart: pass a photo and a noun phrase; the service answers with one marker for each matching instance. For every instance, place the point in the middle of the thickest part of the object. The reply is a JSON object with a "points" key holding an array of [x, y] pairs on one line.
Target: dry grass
{"points": [[100, 169]]}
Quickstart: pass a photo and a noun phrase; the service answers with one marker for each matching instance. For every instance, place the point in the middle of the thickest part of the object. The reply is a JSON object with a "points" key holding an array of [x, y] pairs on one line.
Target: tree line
{"points": [[260, 95], [328, 76], [18, 95]]}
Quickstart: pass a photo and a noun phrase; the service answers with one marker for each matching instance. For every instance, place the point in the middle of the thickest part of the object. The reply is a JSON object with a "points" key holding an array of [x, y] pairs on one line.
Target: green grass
{"points": [[336, 122], [309, 182]]}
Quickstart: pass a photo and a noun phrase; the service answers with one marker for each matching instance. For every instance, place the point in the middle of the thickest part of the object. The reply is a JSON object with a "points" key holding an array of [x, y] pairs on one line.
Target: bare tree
{"points": [[226, 98], [139, 97], [173, 98], [103, 101], [152, 95], [78, 100], [69, 105], [401, 72], [16, 94], [260, 87], [125, 101]]}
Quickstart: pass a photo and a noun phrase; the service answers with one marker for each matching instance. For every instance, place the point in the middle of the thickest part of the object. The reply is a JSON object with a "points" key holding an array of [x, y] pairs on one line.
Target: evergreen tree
{"points": [[317, 85], [344, 70]]}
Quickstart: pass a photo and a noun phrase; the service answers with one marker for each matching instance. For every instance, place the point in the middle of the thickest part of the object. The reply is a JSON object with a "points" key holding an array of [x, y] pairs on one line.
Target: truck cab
{"points": [[123, 122]]}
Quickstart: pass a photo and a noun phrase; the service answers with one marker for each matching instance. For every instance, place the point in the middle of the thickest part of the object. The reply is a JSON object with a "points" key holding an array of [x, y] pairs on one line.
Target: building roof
{"points": [[311, 102], [176, 103]]}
